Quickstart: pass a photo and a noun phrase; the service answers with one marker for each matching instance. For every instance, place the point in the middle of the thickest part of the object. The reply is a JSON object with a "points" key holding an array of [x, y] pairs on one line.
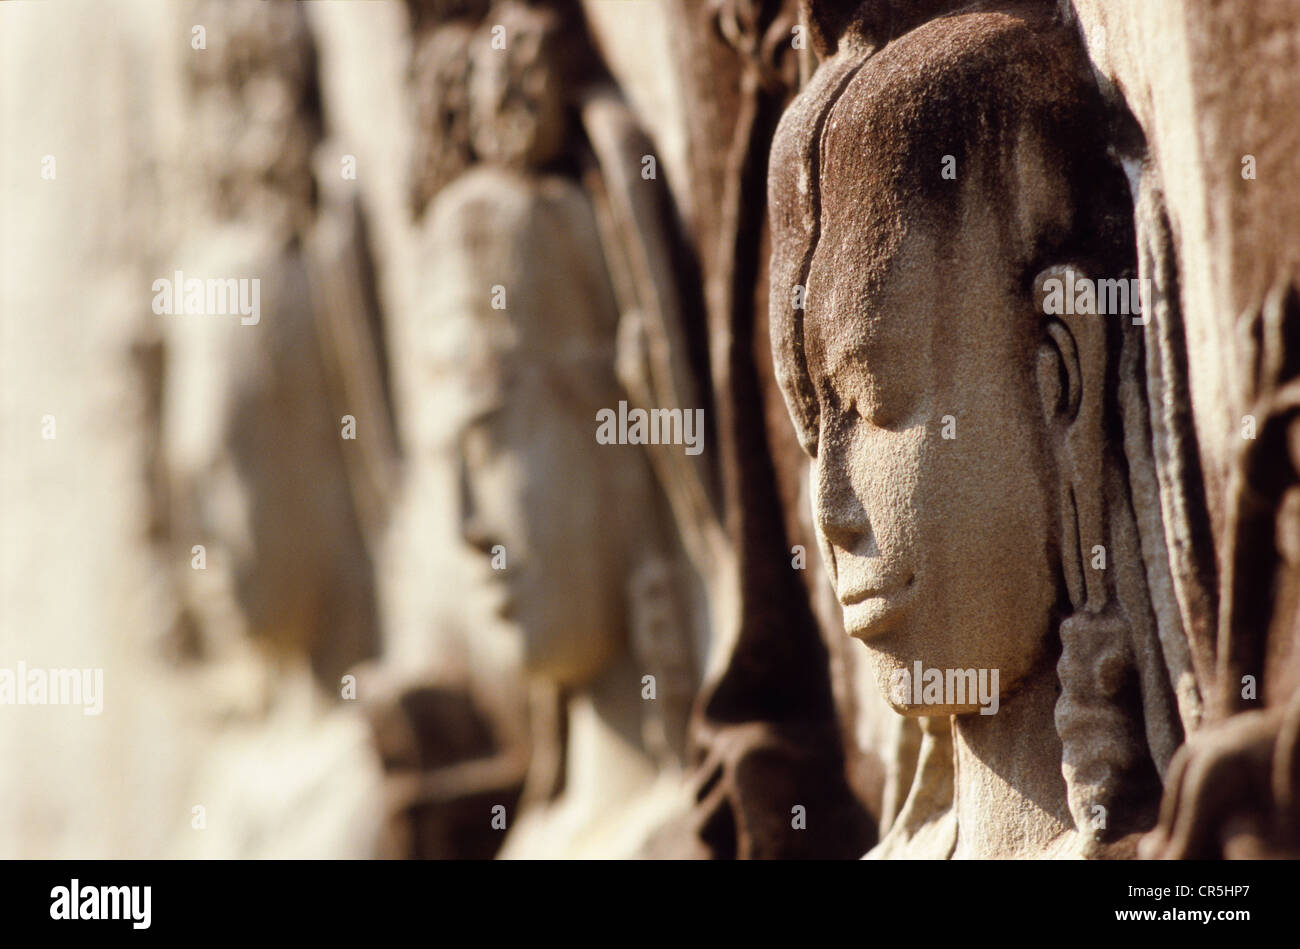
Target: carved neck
{"points": [[1010, 764], [607, 763]]}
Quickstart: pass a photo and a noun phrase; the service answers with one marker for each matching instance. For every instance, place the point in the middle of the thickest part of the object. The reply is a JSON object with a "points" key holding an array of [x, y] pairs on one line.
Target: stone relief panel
{"points": [[717, 429]]}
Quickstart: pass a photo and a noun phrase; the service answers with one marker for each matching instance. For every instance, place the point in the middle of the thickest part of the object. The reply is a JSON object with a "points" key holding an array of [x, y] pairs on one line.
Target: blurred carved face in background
{"points": [[516, 91], [540, 498], [536, 489]]}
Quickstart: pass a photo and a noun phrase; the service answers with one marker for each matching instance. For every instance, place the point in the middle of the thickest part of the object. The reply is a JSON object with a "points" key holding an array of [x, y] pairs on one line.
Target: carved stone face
{"points": [[940, 549], [535, 488], [919, 323], [516, 92], [532, 478]]}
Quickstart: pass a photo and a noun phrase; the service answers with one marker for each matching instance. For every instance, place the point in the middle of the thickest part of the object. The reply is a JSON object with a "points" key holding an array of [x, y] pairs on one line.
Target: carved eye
{"points": [[849, 411], [885, 407], [840, 409], [477, 440]]}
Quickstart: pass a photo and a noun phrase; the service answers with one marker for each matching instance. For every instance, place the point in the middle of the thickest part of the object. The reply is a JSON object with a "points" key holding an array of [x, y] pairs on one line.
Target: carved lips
{"points": [[873, 611]]}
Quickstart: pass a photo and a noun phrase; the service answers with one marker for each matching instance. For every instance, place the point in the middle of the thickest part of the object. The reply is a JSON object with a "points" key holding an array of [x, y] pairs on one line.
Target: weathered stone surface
{"points": [[845, 239]]}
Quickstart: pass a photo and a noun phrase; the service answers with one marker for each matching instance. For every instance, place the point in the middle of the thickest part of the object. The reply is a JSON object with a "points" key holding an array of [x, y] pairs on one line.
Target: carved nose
{"points": [[839, 513]]}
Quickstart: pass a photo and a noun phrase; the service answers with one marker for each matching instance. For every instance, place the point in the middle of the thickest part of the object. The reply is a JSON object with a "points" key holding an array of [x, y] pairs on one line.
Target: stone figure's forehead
{"points": [[938, 147], [860, 204], [962, 88]]}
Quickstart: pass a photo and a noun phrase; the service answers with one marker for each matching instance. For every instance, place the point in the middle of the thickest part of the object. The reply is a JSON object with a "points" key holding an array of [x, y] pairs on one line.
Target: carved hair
{"points": [[439, 77], [1111, 669], [256, 152]]}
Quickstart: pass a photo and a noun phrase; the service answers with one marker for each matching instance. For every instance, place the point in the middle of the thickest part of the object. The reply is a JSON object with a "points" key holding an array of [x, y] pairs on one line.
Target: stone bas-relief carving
{"points": [[251, 441], [1061, 504], [571, 535], [450, 755], [280, 600], [1216, 163], [923, 310], [769, 732]]}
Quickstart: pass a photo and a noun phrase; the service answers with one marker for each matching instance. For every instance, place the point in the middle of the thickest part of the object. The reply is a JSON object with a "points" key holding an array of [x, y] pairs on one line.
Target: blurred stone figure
{"points": [[570, 534], [255, 448], [447, 709], [275, 429]]}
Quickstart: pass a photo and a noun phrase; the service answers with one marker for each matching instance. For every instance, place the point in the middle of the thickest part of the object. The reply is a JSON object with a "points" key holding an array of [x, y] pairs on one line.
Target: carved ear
{"points": [[1071, 382], [1059, 382]]}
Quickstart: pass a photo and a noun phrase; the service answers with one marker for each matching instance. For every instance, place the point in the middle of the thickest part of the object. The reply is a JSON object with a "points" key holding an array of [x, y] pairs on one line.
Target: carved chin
{"points": [[916, 689]]}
